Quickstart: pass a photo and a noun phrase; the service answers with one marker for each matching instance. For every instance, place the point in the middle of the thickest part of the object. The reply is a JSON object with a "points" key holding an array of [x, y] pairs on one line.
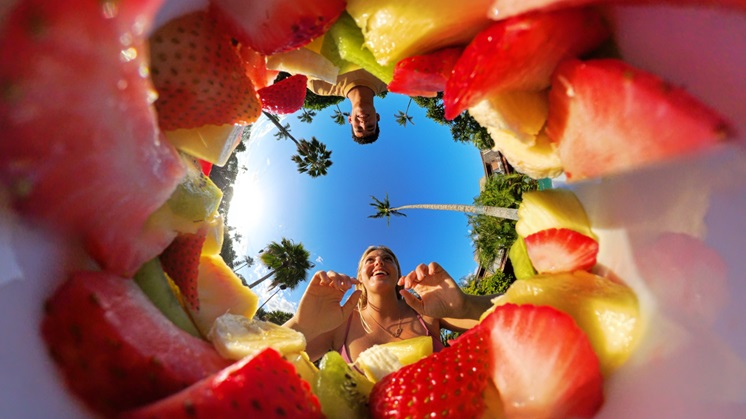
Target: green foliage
{"points": [[491, 234], [464, 128], [317, 102], [289, 264], [224, 178], [278, 317], [496, 283]]}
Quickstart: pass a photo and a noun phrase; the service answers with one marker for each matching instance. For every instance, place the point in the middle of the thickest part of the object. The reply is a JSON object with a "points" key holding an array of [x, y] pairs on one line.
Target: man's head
{"points": [[364, 122]]}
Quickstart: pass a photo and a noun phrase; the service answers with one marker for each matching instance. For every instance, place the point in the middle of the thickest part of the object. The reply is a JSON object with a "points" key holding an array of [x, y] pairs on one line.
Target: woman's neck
{"points": [[383, 308]]}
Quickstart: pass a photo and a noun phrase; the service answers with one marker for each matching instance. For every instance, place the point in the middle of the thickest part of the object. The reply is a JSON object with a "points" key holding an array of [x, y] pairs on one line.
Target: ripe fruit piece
{"points": [[213, 143], [342, 392], [303, 365], [380, 360], [349, 46], [255, 64], [606, 310], [537, 160], [276, 26], [285, 96], [80, 140], [181, 260], [557, 250], [543, 364], [551, 208], [114, 347], [198, 75], [304, 61], [394, 30], [522, 113], [520, 54], [214, 235], [160, 290], [518, 255], [411, 350], [220, 291], [235, 337], [449, 383], [263, 386], [608, 117], [424, 75]]}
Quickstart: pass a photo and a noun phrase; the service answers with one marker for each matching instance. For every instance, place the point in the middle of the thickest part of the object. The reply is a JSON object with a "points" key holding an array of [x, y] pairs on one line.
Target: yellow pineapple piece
{"points": [[551, 208], [304, 61], [236, 336], [213, 143], [303, 366], [215, 234], [381, 360], [220, 291], [522, 113], [608, 311]]}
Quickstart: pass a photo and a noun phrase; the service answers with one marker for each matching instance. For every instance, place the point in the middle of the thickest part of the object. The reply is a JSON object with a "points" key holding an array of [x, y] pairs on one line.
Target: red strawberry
{"points": [[115, 349], [80, 142], [424, 75], [180, 261], [199, 76], [607, 117], [544, 365], [206, 167], [255, 65], [272, 26], [557, 250], [285, 96], [520, 54], [449, 383], [503, 9], [263, 386]]}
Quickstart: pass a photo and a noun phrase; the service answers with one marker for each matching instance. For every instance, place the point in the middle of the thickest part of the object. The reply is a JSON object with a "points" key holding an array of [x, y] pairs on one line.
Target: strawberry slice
{"points": [[80, 148], [285, 96], [115, 349], [263, 386], [199, 76], [556, 250], [255, 65], [520, 54], [424, 75], [272, 26], [608, 117], [180, 261], [449, 383], [544, 365]]}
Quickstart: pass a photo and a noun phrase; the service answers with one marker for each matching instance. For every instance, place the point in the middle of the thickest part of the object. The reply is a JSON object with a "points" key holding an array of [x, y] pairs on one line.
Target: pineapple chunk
{"points": [[235, 337], [606, 310], [522, 113], [551, 208], [220, 291], [215, 234], [396, 29], [213, 143], [306, 62], [303, 366], [380, 360]]}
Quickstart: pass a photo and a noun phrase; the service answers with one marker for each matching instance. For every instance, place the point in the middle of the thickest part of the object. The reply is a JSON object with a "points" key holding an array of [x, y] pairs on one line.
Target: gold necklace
{"points": [[398, 330]]}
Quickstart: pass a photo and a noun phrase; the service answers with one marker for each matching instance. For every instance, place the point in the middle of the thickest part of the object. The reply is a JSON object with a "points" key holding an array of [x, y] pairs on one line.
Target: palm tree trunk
{"points": [[281, 128], [260, 280], [507, 213]]}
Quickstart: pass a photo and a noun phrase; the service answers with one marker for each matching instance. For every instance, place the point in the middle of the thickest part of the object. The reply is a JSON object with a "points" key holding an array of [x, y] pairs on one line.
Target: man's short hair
{"points": [[368, 139]]}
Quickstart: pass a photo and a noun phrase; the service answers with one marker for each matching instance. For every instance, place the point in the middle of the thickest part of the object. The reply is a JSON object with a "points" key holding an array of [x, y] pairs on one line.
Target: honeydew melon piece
{"points": [[304, 61], [212, 143], [551, 208], [396, 29], [606, 310], [348, 40], [220, 291]]}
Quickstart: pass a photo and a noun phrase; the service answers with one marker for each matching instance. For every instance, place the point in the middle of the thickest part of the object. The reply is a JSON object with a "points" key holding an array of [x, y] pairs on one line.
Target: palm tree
{"points": [[402, 118], [312, 158], [246, 261], [307, 116], [288, 263], [383, 209], [339, 117]]}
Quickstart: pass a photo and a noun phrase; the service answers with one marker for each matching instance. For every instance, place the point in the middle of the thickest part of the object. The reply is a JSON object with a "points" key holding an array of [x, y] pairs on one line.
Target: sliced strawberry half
{"points": [[424, 75], [262, 386], [115, 349], [272, 26], [285, 96], [608, 117], [449, 383], [255, 65], [180, 261], [543, 364], [81, 150], [199, 76], [556, 250], [520, 54]]}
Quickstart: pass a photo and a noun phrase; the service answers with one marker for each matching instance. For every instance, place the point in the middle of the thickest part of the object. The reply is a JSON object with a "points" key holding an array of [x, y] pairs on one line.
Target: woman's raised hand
{"points": [[320, 309], [440, 296]]}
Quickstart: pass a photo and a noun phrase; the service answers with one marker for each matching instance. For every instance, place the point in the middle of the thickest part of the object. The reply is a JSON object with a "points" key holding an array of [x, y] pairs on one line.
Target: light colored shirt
{"points": [[345, 83]]}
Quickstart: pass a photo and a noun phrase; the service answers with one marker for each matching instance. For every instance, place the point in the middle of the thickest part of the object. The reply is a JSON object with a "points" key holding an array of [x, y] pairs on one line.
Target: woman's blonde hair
{"points": [[363, 301]]}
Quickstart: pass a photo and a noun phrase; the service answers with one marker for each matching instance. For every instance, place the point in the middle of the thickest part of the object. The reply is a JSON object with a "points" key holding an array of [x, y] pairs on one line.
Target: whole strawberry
{"points": [[449, 383], [285, 96]]}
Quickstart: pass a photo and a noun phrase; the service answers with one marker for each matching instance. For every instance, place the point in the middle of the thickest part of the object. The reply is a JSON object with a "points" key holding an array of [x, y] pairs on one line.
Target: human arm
{"points": [[441, 298], [321, 311]]}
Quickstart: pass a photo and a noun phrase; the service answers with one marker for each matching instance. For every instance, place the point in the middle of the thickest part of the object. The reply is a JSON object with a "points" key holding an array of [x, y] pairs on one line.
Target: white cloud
{"points": [[319, 260]]}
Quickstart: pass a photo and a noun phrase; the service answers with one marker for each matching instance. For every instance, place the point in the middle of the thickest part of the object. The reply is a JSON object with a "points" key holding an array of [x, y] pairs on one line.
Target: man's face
{"points": [[364, 121]]}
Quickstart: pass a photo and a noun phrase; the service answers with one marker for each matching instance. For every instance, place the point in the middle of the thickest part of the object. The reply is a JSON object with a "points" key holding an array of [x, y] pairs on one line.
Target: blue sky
{"points": [[418, 163]]}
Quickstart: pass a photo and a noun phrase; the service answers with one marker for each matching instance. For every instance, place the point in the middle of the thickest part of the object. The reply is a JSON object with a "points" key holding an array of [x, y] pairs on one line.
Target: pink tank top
{"points": [[437, 344]]}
